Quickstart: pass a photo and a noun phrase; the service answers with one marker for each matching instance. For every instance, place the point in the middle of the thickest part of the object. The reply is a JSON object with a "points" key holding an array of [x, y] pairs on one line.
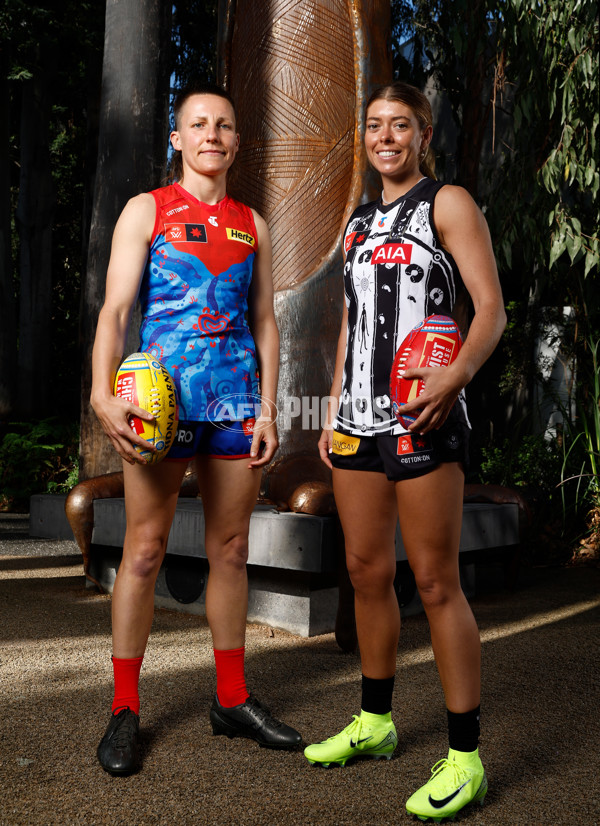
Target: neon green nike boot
{"points": [[368, 735], [455, 782]]}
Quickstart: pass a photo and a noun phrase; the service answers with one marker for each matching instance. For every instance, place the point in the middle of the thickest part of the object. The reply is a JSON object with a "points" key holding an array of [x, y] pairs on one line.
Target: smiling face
{"points": [[206, 135], [394, 140]]}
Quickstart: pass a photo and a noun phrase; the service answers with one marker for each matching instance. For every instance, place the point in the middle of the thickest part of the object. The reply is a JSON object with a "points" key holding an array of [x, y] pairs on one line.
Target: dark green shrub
{"points": [[530, 462], [37, 457]]}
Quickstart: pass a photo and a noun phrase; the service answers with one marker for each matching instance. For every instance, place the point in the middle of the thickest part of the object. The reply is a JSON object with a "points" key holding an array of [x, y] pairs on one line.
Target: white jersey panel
{"points": [[396, 274]]}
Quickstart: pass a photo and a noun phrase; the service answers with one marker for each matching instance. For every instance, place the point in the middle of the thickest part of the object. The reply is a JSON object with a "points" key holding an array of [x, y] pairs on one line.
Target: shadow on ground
{"points": [[541, 731]]}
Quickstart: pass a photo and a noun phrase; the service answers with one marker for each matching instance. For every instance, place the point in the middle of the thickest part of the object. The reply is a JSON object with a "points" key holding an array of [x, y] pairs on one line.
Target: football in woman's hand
{"points": [[145, 382], [435, 342]]}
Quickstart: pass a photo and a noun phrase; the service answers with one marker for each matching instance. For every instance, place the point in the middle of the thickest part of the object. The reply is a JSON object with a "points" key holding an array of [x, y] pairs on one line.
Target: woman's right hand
{"points": [[114, 416], [325, 445]]}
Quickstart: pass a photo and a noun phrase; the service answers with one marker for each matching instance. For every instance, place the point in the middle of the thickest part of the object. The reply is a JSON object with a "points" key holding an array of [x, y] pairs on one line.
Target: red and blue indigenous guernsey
{"points": [[194, 299]]}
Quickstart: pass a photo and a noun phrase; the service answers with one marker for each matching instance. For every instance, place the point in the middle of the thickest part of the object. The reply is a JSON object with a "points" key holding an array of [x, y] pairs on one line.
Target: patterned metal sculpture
{"points": [[300, 72]]}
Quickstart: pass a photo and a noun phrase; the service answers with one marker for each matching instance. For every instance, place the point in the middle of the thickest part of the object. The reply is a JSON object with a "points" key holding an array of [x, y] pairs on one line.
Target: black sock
{"points": [[463, 730], [377, 695]]}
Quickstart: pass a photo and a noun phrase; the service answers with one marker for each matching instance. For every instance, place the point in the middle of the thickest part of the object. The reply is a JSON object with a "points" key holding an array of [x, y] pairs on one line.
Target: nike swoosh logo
{"points": [[353, 745], [439, 804], [389, 738]]}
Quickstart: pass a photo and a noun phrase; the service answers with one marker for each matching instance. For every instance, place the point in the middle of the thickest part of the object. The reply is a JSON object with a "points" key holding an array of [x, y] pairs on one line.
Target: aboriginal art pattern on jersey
{"points": [[396, 274], [194, 301]]}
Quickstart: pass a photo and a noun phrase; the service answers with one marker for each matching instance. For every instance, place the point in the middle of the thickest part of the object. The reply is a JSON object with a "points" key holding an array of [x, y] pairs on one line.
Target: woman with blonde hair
{"points": [[384, 472]]}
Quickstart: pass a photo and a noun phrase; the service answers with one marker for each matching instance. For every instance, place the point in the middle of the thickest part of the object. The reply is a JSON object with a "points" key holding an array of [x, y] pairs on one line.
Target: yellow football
{"points": [[145, 382]]}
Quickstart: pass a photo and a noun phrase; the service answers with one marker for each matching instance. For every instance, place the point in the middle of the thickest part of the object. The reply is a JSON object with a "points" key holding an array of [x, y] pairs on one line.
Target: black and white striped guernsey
{"points": [[396, 274]]}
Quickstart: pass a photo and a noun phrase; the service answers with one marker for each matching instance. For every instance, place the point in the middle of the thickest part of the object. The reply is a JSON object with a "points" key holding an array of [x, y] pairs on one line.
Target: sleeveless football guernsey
{"points": [[396, 274], [194, 300]]}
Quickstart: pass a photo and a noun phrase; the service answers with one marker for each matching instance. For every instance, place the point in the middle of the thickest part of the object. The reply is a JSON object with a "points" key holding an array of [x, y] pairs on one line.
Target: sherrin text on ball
{"points": [[435, 342]]}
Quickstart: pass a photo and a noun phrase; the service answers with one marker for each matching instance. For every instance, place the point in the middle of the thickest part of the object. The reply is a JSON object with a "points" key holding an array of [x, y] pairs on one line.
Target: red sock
{"points": [[231, 684], [127, 675]]}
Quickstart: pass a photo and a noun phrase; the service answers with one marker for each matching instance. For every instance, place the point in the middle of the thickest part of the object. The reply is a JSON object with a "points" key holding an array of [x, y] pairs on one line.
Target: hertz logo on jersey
{"points": [[344, 445], [392, 254], [238, 235]]}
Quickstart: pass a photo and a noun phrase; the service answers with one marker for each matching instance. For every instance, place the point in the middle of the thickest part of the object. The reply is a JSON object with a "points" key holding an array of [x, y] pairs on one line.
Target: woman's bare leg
{"points": [[430, 509], [151, 493], [367, 509], [229, 490]]}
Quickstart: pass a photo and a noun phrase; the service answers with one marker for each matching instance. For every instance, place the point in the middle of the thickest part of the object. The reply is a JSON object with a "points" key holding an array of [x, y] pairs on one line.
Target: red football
{"points": [[435, 342]]}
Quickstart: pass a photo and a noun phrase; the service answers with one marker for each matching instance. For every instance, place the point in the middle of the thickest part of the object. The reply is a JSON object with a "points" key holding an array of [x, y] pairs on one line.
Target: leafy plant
{"points": [[530, 462], [520, 80], [37, 457], [551, 53], [581, 459]]}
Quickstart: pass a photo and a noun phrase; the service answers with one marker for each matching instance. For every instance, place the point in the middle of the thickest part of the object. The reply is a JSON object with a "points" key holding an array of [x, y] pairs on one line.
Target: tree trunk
{"points": [[475, 111], [93, 78], [8, 328], [131, 159], [34, 216]]}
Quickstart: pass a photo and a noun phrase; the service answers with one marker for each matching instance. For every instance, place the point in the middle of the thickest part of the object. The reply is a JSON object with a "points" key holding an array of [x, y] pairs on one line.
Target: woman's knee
{"points": [[370, 573], [231, 551], [143, 556], [437, 588], [144, 563]]}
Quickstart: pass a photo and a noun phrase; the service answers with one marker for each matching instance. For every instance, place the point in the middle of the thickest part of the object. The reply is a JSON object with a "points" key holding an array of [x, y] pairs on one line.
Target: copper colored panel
{"points": [[291, 71], [300, 72]]}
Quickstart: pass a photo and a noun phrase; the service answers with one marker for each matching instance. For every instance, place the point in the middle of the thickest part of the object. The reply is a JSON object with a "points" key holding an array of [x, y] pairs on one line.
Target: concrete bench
{"points": [[296, 572]]}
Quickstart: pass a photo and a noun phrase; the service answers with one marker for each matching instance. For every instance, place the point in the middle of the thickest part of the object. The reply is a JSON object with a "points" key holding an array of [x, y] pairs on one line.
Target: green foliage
{"points": [[521, 81], [532, 465], [551, 79], [61, 43], [581, 443], [517, 347], [37, 457], [530, 462], [527, 72]]}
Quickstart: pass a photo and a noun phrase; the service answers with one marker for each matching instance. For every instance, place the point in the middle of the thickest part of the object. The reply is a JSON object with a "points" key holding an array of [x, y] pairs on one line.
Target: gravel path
{"points": [[540, 720]]}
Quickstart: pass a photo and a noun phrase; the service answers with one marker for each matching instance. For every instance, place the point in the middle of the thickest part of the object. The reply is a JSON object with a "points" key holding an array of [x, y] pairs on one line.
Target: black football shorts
{"points": [[402, 457]]}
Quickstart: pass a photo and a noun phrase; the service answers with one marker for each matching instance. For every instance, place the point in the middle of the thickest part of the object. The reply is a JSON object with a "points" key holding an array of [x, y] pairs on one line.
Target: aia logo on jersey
{"points": [[185, 233], [392, 254], [353, 240]]}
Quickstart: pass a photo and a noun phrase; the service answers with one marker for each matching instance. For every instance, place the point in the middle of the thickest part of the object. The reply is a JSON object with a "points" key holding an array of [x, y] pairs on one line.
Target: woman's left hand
{"points": [[442, 387], [265, 432]]}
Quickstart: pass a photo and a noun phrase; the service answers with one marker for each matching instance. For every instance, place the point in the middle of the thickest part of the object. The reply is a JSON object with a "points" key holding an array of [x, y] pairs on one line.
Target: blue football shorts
{"points": [[224, 440]]}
